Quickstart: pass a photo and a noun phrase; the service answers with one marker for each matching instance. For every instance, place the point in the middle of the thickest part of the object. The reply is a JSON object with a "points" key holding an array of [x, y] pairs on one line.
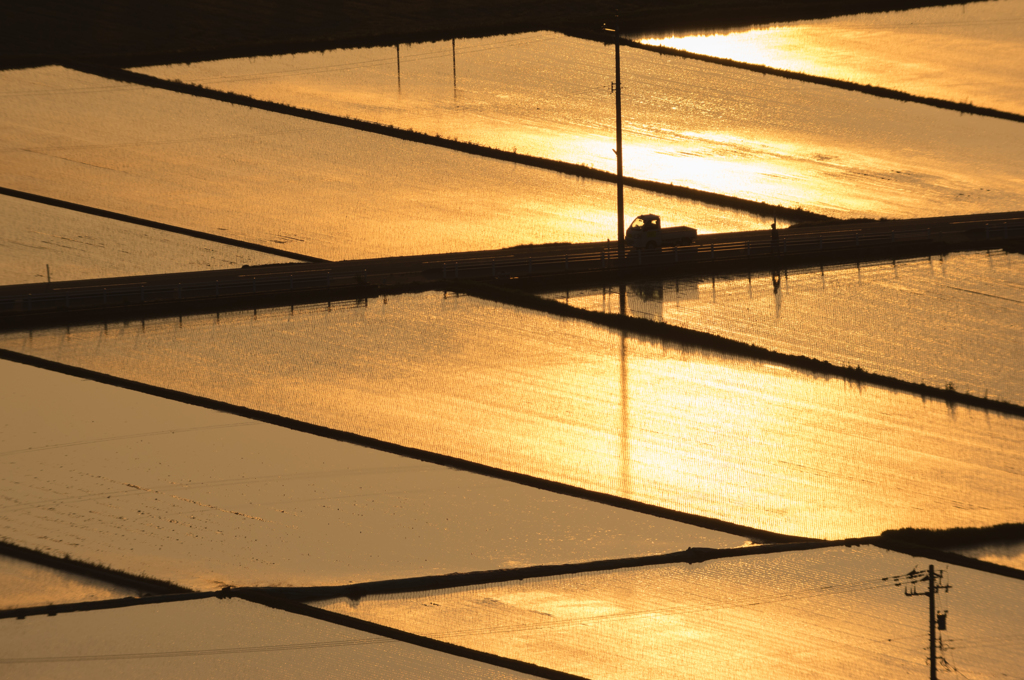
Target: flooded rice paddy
{"points": [[206, 499], [685, 122], [26, 584], [302, 186], [960, 53], [41, 240], [752, 443], [213, 638], [809, 614], [953, 320]]}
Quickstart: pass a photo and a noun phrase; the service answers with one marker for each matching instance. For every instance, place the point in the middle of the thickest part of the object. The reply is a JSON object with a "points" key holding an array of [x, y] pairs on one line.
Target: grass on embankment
{"points": [[92, 570], [961, 536]]}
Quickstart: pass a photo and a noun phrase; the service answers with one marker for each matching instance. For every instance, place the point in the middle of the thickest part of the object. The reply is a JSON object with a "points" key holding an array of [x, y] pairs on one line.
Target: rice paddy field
{"points": [[431, 484]]}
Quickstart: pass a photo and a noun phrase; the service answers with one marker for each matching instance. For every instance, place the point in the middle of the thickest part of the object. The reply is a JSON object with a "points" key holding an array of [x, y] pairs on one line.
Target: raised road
{"points": [[93, 300]]}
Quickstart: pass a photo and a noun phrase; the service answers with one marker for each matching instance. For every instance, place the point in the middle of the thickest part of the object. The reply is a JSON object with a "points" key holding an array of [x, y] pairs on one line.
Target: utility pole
{"points": [[618, 147], [933, 576]]}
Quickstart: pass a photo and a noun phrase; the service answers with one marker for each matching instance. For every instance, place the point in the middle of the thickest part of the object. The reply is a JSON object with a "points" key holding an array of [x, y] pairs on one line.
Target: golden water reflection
{"points": [[217, 638], [960, 53], [26, 584], [752, 443], [276, 180], [824, 613], [43, 243], [945, 320], [685, 122], [203, 499]]}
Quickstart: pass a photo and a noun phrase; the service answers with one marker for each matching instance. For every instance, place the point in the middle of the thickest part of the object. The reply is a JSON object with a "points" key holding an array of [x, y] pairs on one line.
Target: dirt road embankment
{"points": [[41, 305]]}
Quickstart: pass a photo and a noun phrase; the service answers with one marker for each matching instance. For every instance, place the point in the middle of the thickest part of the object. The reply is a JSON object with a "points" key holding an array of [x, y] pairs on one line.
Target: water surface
{"points": [[204, 499], [685, 122], [276, 180], [26, 584], [953, 320], [74, 246], [215, 638], [825, 613], [753, 443], [961, 53]]}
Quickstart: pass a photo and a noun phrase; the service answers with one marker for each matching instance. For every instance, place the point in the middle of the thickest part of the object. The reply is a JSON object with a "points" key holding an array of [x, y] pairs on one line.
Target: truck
{"points": [[646, 233]]}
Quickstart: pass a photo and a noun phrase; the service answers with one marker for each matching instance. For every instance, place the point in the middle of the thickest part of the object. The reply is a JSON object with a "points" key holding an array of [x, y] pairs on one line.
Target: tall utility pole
{"points": [[618, 147], [932, 589]]}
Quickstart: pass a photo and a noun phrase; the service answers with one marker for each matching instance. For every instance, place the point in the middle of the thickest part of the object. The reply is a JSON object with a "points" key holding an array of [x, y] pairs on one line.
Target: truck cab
{"points": [[645, 232]]}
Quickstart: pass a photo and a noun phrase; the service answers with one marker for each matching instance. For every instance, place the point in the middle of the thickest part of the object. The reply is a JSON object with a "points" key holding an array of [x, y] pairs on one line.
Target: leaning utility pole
{"points": [[932, 589]]}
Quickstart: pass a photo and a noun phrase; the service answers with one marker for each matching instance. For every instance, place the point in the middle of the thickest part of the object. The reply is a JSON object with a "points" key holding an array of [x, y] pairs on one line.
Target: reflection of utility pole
{"points": [[455, 82], [398, 60], [626, 488], [933, 620]]}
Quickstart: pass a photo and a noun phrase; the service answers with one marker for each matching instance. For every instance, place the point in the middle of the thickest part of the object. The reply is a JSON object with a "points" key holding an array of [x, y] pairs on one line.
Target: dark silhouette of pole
{"points": [[932, 589], [618, 149], [931, 617]]}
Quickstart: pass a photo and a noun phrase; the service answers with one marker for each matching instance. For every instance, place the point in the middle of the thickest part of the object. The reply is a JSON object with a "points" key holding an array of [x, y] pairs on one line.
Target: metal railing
{"points": [[513, 265], [505, 265]]}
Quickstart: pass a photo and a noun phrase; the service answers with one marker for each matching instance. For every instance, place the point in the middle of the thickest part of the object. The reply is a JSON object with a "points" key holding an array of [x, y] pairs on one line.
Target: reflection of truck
{"points": [[646, 233]]}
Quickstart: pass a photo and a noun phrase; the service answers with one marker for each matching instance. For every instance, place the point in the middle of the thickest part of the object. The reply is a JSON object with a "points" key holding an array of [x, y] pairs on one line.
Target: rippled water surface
{"points": [[203, 499], [306, 187], [808, 614], [961, 53], [700, 125], [947, 320], [752, 443], [26, 584], [215, 638], [78, 246]]}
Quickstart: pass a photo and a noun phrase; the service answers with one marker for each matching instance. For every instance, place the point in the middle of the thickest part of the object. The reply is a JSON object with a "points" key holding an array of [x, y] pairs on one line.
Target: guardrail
{"points": [[508, 264], [607, 258]]}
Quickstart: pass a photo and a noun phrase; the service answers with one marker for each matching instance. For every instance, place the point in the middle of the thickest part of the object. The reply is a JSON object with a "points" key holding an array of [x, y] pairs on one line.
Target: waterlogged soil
{"points": [[943, 321], [752, 443], [789, 615]]}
